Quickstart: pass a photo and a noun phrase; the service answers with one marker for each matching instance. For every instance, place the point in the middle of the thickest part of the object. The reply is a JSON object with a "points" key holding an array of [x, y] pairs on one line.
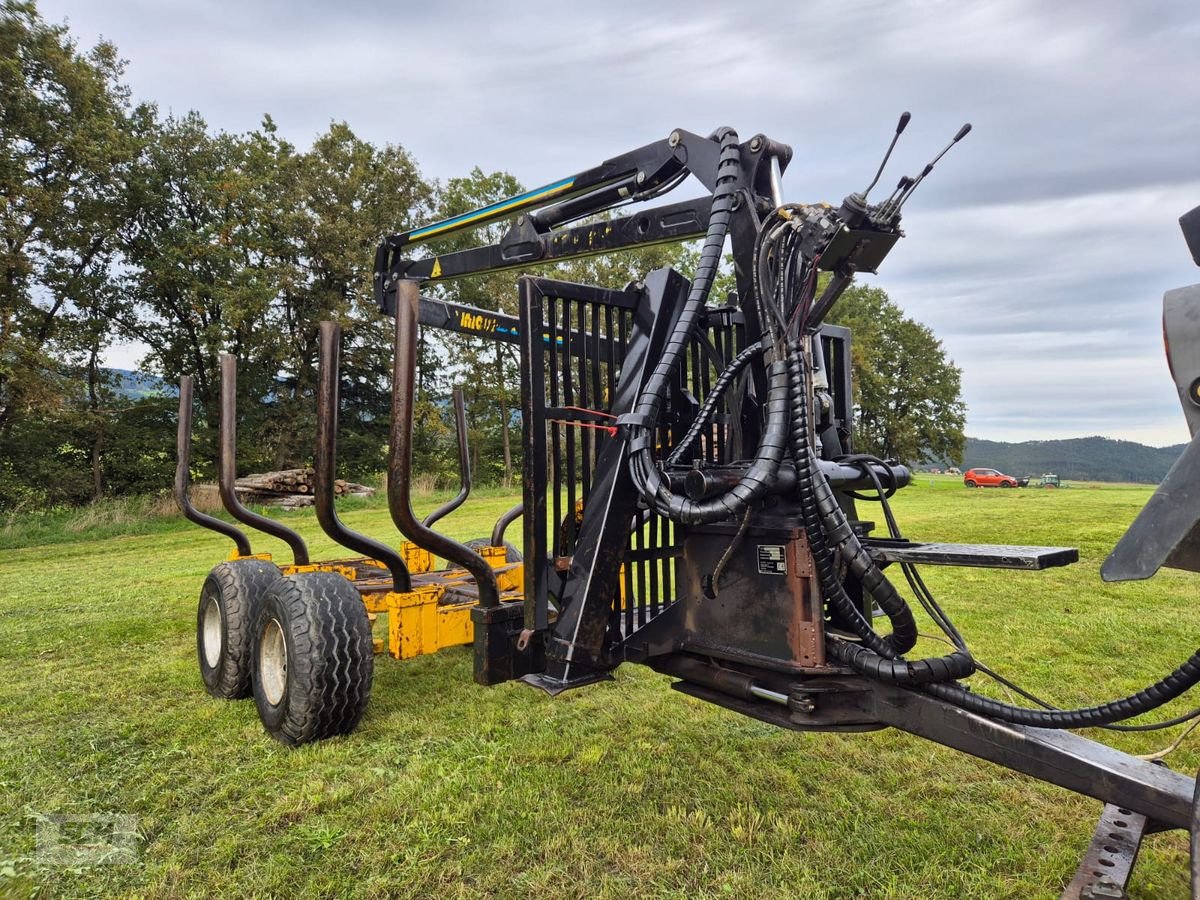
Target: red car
{"points": [[988, 478]]}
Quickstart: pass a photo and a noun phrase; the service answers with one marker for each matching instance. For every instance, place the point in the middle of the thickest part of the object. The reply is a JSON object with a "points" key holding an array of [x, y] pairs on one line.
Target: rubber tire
{"points": [[511, 553], [1005, 484], [970, 484], [238, 587], [329, 657]]}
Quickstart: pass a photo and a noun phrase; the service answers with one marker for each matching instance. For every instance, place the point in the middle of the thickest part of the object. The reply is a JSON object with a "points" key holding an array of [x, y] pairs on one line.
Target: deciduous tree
{"points": [[907, 391]]}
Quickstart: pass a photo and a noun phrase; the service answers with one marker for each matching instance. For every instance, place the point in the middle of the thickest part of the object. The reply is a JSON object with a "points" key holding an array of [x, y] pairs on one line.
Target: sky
{"points": [[1038, 251]]}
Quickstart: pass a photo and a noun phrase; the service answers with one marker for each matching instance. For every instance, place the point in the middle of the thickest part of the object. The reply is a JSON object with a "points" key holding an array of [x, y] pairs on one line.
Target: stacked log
{"points": [[291, 488]]}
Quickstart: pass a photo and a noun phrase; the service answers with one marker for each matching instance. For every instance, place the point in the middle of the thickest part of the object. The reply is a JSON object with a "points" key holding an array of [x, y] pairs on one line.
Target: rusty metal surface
{"points": [[400, 453], [183, 460], [1105, 869], [767, 605], [325, 461], [228, 469]]}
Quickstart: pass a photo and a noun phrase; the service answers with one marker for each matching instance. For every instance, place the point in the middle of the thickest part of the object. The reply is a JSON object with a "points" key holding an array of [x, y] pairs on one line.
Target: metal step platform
{"points": [[987, 556]]}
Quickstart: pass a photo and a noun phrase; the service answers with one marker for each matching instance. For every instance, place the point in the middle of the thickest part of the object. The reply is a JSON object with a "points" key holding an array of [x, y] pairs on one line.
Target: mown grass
{"points": [[621, 789]]}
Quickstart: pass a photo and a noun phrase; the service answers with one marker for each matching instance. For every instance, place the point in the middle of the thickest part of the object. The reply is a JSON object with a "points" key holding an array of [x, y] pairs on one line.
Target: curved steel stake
{"points": [[404, 366], [324, 460], [504, 521], [228, 468], [464, 463], [183, 461]]}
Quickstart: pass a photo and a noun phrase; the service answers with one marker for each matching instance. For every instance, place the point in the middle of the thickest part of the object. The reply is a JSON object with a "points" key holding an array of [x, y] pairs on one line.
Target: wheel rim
{"points": [[272, 662], [211, 633]]}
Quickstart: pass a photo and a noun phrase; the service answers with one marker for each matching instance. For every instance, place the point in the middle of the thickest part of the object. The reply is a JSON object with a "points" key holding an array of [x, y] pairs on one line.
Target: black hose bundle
{"points": [[825, 524], [784, 282], [643, 420]]}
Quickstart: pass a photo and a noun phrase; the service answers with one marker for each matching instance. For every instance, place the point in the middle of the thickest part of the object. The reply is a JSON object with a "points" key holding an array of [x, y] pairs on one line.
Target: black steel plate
{"points": [[988, 556]]}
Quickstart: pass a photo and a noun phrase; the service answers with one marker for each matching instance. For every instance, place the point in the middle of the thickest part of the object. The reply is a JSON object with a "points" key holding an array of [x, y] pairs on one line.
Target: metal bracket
{"points": [[1105, 868]]}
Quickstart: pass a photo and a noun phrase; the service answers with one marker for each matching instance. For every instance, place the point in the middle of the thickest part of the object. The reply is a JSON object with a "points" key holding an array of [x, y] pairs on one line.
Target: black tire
{"points": [[1005, 484], [313, 658], [969, 484], [229, 603], [511, 553]]}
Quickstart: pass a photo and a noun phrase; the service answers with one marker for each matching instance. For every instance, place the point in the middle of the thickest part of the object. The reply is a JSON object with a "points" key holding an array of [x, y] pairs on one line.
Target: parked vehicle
{"points": [[988, 478]]}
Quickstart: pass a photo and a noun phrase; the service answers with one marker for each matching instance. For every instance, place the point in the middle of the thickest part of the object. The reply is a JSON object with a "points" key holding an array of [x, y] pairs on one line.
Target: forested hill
{"points": [[136, 385], [1084, 459]]}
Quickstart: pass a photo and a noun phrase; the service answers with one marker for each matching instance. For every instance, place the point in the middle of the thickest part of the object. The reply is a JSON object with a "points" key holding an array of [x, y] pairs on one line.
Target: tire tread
{"points": [[241, 585], [331, 661]]}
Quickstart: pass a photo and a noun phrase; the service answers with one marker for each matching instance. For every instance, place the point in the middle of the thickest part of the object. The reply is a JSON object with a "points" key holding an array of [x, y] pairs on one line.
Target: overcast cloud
{"points": [[1038, 251]]}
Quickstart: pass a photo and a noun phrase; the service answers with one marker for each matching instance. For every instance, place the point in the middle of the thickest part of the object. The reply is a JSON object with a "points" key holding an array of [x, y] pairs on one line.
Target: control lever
{"points": [[891, 207]]}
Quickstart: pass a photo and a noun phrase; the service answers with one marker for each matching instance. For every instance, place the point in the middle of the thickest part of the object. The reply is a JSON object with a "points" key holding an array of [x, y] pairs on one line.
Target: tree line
{"points": [[121, 224]]}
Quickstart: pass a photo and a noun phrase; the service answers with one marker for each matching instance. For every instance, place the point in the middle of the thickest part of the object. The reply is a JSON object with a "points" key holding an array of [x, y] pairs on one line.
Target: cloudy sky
{"points": [[1038, 251]]}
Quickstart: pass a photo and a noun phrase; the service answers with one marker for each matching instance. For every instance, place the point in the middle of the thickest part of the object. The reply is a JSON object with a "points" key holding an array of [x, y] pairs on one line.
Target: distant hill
{"points": [[136, 385], [1084, 459]]}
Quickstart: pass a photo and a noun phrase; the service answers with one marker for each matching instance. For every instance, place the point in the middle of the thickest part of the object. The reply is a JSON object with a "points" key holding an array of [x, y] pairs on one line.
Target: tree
{"points": [[241, 244], [907, 393], [193, 271], [67, 138], [347, 195]]}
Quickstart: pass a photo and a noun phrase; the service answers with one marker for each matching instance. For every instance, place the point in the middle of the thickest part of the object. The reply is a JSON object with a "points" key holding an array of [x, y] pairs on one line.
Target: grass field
{"points": [[617, 790]]}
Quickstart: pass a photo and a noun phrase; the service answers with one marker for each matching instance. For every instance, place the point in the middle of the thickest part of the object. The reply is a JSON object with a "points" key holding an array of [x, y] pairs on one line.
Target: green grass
{"points": [[616, 790]]}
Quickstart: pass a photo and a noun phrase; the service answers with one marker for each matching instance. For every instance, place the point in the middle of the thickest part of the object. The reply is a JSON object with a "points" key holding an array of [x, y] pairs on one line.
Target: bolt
{"points": [[756, 143], [641, 178], [1102, 889], [674, 139], [801, 703]]}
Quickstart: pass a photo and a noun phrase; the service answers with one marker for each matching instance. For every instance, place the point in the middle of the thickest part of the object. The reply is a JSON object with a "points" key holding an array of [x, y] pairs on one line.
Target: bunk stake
{"points": [[183, 446], [399, 486], [228, 468]]}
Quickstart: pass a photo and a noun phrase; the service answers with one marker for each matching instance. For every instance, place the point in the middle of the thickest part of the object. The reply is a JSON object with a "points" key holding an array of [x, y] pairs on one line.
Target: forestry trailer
{"points": [[691, 495]]}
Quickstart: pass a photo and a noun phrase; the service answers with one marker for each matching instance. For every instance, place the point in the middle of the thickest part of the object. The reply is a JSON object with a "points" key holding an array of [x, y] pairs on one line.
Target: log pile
{"points": [[291, 488]]}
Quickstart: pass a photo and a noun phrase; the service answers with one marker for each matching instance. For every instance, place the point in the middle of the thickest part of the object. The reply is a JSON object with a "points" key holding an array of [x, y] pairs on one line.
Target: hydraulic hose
{"points": [[878, 657], [808, 476], [752, 486], [1164, 691], [719, 387], [779, 268], [643, 420]]}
